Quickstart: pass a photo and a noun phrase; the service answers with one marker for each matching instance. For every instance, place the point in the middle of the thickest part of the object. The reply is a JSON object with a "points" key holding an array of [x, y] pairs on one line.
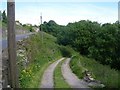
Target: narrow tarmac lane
{"points": [[47, 79], [71, 78], [4, 42]]}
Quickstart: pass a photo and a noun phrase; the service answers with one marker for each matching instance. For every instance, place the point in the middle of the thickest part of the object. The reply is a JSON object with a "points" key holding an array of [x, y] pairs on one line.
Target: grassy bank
{"points": [[38, 55], [109, 77]]}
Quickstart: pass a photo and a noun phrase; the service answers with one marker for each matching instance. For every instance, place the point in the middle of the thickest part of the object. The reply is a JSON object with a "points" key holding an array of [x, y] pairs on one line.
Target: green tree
{"points": [[101, 42], [4, 17], [51, 27], [31, 29]]}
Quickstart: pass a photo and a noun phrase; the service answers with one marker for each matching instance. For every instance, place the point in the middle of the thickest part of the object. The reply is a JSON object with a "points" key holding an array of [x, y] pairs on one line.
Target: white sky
{"points": [[62, 0], [65, 12]]}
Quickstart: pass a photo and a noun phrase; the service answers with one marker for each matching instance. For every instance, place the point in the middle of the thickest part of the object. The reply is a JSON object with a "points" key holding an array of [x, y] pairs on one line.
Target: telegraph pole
{"points": [[12, 44], [41, 27], [119, 12]]}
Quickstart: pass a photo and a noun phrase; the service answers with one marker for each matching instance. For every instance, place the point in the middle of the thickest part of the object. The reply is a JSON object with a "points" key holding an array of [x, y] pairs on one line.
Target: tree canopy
{"points": [[94, 40], [4, 17]]}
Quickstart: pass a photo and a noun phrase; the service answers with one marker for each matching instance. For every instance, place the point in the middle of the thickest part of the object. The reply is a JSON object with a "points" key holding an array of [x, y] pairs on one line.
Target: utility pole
{"points": [[12, 44], [41, 27], [119, 12]]}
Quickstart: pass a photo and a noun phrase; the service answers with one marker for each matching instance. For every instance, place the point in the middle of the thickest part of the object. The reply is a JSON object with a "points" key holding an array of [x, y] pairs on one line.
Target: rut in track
{"points": [[47, 79], [71, 78]]}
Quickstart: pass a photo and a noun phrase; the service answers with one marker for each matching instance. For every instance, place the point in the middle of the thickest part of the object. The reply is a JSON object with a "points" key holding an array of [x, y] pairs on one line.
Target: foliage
{"points": [[109, 77], [28, 27], [98, 41], [76, 67], [39, 56], [4, 17], [31, 29], [51, 27], [66, 51]]}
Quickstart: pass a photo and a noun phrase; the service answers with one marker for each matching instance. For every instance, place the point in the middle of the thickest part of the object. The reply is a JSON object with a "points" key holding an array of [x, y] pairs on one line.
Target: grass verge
{"points": [[109, 77], [36, 57], [59, 81], [36, 80]]}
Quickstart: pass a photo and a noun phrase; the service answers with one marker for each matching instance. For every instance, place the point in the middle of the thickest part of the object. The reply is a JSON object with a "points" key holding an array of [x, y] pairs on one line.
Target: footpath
{"points": [[69, 77]]}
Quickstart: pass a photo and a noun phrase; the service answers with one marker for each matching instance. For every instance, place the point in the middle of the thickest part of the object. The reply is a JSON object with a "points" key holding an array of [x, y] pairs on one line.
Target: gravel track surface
{"points": [[47, 79], [71, 78]]}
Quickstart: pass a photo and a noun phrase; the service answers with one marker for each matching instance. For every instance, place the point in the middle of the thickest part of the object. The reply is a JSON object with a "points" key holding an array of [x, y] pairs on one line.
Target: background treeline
{"points": [[92, 39]]}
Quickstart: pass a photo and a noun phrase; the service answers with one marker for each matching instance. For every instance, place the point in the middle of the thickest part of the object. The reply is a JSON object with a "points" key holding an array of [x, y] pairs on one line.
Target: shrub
{"points": [[65, 51]]}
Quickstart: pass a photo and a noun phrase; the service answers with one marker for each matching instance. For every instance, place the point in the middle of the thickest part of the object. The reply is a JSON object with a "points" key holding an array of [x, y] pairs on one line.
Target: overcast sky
{"points": [[65, 12]]}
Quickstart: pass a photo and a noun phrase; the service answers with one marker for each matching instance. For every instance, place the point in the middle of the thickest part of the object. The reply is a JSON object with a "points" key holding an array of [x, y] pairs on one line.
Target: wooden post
{"points": [[12, 44], [119, 12]]}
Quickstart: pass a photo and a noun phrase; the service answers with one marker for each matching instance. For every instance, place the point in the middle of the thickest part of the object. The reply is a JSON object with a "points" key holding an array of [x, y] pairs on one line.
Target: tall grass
{"points": [[59, 81], [39, 56], [105, 74]]}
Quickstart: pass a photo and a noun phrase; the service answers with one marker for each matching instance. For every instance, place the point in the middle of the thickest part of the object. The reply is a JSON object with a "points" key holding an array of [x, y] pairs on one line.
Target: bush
{"points": [[109, 77], [65, 51], [77, 67]]}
